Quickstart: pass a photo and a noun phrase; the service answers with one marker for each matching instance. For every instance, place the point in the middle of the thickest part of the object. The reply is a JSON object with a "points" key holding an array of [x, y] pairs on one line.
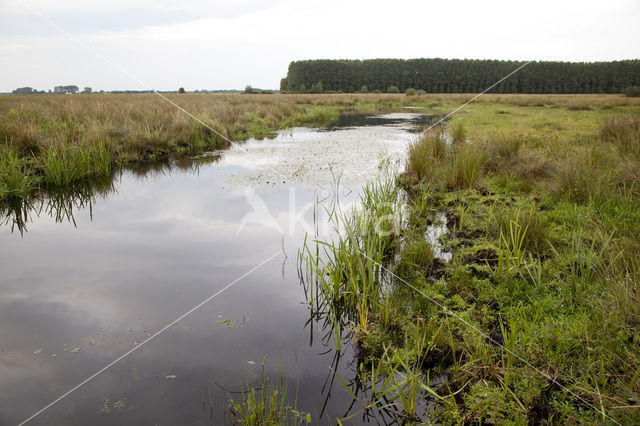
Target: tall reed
{"points": [[347, 271]]}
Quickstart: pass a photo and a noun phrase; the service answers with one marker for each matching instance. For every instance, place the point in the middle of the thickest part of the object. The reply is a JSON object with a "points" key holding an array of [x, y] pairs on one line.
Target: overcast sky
{"points": [[229, 44]]}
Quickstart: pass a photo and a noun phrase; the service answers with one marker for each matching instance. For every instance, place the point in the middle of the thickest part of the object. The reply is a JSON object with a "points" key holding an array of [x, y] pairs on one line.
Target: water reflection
{"points": [[62, 204], [101, 267], [150, 170], [348, 121]]}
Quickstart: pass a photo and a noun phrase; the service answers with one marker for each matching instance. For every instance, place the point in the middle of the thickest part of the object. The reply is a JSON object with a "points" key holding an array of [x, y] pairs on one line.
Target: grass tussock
{"points": [[15, 177], [624, 133], [503, 151], [416, 253], [426, 156], [468, 166], [63, 165], [457, 164], [458, 134]]}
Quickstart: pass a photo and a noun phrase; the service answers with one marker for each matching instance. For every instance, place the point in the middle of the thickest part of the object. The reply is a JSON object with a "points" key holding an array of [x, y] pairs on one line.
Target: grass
{"points": [[416, 253], [542, 196], [467, 168], [63, 165], [346, 275], [53, 141], [49, 133], [15, 179], [533, 263], [511, 248], [265, 404], [432, 160], [427, 155]]}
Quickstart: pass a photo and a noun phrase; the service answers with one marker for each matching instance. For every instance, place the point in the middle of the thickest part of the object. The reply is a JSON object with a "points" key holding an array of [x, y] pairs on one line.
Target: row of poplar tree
{"points": [[459, 76]]}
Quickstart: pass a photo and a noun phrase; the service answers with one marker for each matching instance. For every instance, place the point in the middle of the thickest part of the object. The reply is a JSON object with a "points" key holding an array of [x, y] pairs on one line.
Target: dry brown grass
{"points": [[146, 124], [135, 124], [624, 133], [46, 134], [131, 128], [143, 124]]}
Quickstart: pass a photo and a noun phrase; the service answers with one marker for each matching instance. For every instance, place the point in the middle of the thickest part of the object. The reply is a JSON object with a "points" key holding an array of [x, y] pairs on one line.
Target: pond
{"points": [[89, 274]]}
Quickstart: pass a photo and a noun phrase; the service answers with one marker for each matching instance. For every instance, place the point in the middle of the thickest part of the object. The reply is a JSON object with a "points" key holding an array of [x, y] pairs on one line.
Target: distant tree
{"points": [[181, 90], [411, 91], [283, 85], [364, 89], [248, 89], [632, 91], [68, 90], [87, 90], [393, 89], [317, 87], [24, 91], [463, 75]]}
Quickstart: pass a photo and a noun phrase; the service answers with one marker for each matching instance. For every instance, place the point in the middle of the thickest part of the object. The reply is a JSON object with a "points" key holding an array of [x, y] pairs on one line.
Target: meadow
{"points": [[536, 318], [48, 141]]}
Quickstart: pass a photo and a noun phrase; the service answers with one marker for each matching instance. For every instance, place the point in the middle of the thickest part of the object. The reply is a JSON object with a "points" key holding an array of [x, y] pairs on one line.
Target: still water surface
{"points": [[94, 273]]}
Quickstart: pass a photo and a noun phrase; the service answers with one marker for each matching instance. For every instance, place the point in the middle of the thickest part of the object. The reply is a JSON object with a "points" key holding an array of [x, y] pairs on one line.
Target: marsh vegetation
{"points": [[55, 140], [534, 318]]}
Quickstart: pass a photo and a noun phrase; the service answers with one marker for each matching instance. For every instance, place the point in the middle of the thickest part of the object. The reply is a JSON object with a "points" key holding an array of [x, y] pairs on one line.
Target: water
{"points": [[87, 276], [433, 234]]}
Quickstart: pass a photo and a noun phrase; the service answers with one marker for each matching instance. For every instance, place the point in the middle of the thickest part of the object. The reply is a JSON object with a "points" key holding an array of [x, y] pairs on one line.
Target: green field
{"points": [[536, 317]]}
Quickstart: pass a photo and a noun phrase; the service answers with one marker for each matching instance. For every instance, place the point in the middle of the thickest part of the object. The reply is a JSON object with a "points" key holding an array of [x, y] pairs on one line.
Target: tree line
{"points": [[65, 90], [459, 76]]}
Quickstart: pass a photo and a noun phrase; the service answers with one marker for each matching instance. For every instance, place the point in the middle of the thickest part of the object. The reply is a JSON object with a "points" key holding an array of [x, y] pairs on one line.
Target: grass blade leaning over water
{"points": [[15, 177], [65, 164], [348, 268]]}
